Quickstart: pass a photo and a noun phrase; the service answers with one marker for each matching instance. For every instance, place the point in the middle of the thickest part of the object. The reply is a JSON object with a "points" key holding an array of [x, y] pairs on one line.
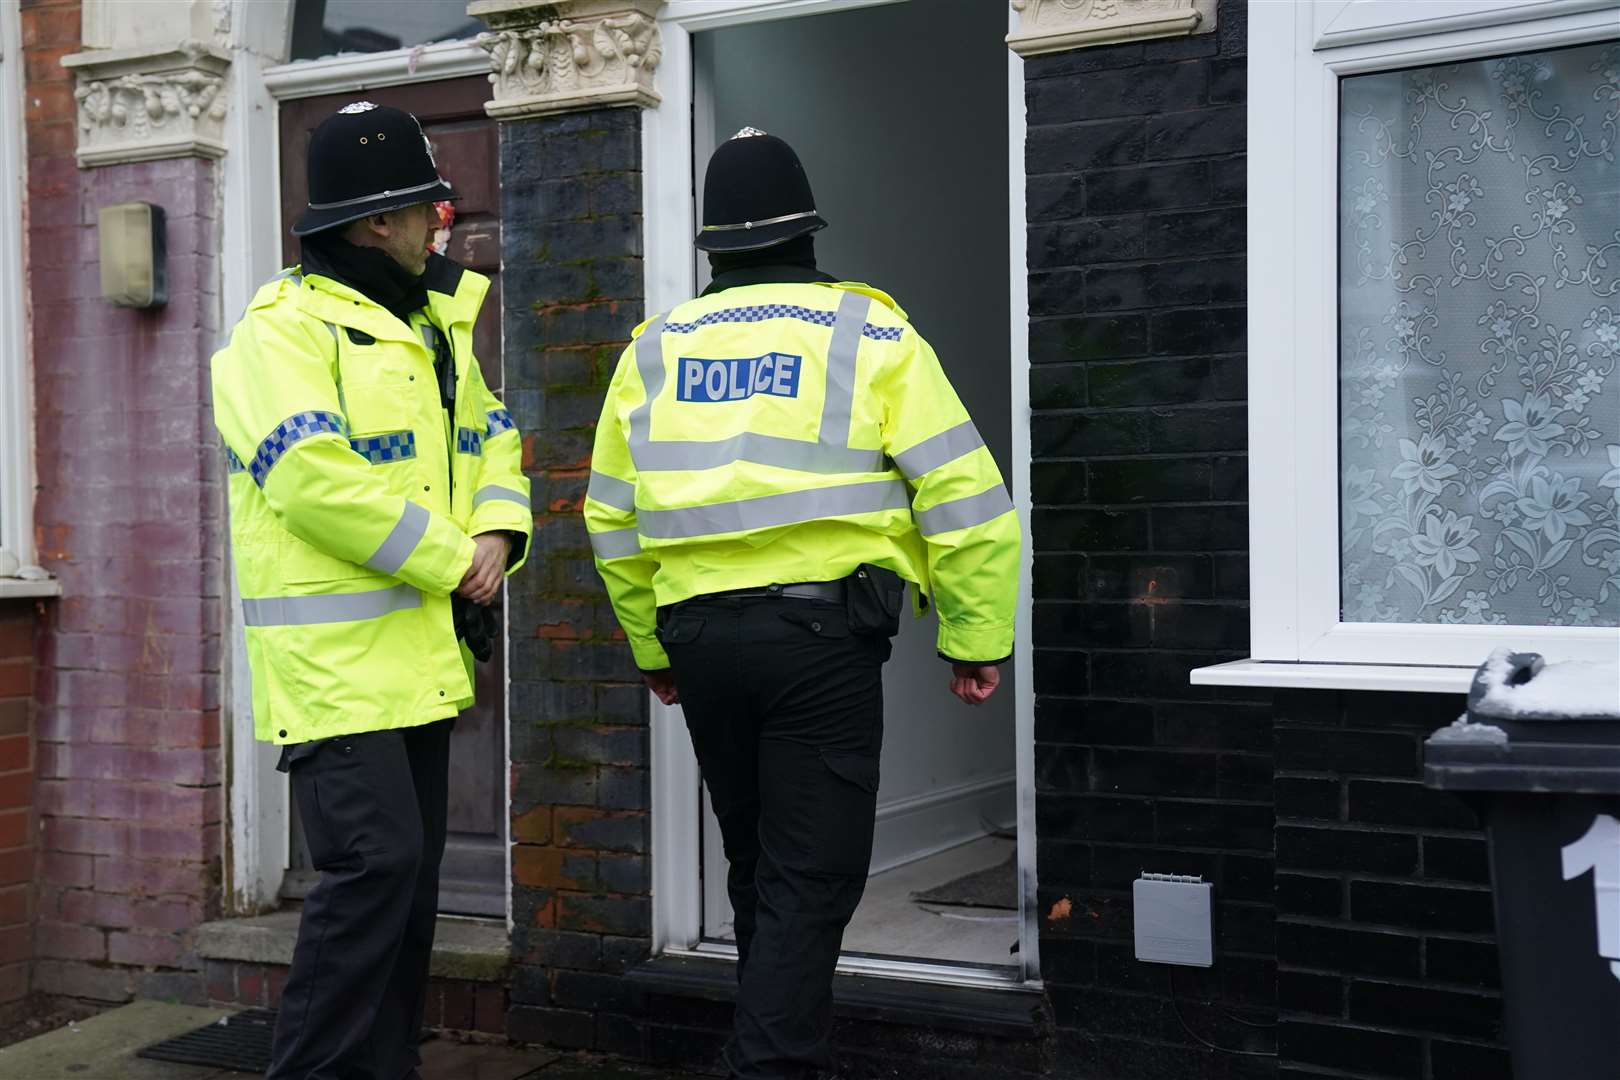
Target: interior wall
{"points": [[899, 114]]}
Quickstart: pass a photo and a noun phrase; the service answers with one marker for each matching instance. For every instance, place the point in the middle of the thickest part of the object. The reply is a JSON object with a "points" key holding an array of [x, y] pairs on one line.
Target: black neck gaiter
{"points": [[368, 270], [790, 261]]}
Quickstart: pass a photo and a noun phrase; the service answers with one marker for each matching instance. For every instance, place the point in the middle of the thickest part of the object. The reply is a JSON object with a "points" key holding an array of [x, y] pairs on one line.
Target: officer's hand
{"points": [[662, 684], [974, 683], [482, 582]]}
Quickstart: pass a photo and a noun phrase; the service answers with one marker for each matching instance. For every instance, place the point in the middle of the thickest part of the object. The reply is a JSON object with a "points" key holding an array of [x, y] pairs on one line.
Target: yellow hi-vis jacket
{"points": [[353, 505], [790, 432]]}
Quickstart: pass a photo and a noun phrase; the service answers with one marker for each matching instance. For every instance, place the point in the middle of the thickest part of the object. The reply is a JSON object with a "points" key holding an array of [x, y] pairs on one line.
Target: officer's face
{"points": [[404, 234]]}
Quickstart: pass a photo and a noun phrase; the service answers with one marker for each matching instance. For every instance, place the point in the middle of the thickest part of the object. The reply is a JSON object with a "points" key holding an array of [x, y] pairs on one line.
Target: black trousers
{"points": [[374, 809], [785, 709]]}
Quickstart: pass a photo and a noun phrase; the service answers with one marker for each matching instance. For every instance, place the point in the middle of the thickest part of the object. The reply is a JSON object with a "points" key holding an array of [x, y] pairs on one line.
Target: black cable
{"points": [[1175, 1003], [1268, 1025]]}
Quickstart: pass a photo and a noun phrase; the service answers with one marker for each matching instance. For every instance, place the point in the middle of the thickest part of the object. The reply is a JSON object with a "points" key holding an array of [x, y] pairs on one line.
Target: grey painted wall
{"points": [[899, 114]]}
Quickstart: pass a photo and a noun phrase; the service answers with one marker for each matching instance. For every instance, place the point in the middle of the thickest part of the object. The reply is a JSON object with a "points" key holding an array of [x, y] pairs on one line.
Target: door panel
{"points": [[465, 143]]}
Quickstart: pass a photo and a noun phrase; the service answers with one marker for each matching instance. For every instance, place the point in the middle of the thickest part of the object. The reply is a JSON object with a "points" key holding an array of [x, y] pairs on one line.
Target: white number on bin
{"points": [[1599, 852]]}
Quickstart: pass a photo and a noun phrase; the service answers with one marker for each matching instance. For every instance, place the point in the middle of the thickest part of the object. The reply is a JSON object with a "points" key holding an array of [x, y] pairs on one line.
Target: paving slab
{"points": [[446, 1060], [103, 1047]]}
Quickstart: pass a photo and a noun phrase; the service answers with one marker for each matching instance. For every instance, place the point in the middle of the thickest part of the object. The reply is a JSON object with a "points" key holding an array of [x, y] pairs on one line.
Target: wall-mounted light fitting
{"points": [[134, 267]]}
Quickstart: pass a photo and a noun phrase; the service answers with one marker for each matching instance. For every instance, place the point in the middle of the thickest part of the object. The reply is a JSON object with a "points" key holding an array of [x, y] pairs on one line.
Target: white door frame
{"points": [[16, 381], [258, 851], [668, 213]]}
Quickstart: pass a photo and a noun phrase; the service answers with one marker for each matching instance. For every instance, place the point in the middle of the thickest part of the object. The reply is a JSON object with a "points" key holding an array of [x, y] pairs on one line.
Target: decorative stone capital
{"points": [[145, 104], [569, 55], [1047, 26]]}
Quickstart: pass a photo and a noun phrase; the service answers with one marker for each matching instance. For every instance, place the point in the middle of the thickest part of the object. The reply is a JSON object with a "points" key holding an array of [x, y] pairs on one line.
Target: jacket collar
{"points": [[454, 296]]}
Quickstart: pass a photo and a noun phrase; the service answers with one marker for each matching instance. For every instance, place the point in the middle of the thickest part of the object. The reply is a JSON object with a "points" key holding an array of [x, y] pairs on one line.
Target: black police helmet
{"points": [[366, 159], [755, 195]]}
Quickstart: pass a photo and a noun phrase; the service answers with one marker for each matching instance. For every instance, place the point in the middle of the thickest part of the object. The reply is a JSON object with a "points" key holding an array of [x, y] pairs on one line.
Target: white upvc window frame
{"points": [[1298, 53], [16, 391]]}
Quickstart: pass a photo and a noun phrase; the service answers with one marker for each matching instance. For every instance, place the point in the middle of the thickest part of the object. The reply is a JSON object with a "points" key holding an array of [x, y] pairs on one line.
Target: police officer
{"points": [[774, 459], [376, 500]]}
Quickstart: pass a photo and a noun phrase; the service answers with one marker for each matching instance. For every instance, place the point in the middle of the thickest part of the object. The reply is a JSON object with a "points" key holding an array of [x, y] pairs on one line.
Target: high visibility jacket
{"points": [[790, 432], [353, 503]]}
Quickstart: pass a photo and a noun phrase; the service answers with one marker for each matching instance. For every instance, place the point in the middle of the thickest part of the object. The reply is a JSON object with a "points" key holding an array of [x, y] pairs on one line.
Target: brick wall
{"points": [[1385, 937], [1135, 162], [572, 279], [128, 517], [17, 625], [460, 1005]]}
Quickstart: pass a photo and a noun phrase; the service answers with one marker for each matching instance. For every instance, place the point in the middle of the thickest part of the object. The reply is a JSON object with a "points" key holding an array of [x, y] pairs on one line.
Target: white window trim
{"points": [[1293, 358], [677, 902], [258, 851], [16, 384]]}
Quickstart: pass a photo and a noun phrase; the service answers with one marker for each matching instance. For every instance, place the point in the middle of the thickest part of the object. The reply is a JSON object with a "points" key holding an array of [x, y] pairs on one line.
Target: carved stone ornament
{"points": [[571, 55], [1048, 26], [144, 104]]}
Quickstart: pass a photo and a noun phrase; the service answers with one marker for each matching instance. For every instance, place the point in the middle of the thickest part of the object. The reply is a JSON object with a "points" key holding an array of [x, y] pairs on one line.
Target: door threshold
{"points": [[1003, 1009], [938, 973]]}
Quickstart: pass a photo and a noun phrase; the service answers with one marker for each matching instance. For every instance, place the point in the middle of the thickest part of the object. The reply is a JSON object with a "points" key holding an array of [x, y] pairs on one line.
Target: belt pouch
{"points": [[873, 597]]}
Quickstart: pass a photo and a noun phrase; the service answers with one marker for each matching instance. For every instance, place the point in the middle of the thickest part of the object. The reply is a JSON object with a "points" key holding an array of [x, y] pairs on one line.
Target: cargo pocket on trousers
{"points": [[337, 804], [849, 811]]}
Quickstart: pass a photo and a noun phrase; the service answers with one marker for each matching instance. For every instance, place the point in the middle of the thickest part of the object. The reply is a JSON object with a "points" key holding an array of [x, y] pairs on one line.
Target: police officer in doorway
{"points": [[775, 459], [376, 501]]}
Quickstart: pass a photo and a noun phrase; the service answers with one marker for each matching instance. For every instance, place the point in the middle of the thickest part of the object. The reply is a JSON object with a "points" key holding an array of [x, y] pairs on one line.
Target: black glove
{"points": [[476, 625]]}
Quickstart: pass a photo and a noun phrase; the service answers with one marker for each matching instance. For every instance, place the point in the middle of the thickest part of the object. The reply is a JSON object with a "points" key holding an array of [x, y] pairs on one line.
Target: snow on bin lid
{"points": [[1572, 690]]}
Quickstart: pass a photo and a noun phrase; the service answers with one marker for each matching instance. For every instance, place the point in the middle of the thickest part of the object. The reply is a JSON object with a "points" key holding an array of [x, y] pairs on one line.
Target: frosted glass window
{"points": [[1479, 327]]}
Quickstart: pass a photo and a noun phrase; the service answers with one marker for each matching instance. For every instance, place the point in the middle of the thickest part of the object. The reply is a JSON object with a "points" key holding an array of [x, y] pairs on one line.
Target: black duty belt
{"points": [[803, 590]]}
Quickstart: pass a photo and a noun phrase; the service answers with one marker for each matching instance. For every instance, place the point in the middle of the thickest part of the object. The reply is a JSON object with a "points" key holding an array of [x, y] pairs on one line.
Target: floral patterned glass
{"points": [[1479, 327]]}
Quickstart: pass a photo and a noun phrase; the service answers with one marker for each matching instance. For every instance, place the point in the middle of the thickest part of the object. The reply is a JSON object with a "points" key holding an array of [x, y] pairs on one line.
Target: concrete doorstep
{"points": [[104, 1048]]}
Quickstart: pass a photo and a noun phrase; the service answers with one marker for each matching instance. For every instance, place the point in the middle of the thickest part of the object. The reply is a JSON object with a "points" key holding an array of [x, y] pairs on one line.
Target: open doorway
{"points": [[900, 116]]}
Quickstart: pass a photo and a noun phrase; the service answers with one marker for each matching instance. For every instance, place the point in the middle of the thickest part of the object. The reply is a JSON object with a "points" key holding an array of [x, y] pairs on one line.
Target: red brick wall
{"points": [[17, 618], [128, 517]]}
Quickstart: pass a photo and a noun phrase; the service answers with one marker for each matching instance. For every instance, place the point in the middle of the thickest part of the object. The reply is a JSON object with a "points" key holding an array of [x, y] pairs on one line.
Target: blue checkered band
{"points": [[381, 449], [294, 429], [499, 420], [469, 441], [779, 311], [233, 464]]}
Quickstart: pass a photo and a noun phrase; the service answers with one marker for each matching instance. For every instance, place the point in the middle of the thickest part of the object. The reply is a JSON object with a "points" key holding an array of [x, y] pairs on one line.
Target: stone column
{"points": [[1048, 26], [570, 80]]}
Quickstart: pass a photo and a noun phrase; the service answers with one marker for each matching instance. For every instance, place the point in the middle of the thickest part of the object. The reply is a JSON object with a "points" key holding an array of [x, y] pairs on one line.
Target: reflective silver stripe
{"points": [[650, 363], [493, 492], [615, 544], [964, 513], [761, 450], [343, 607], [407, 533], [611, 491], [378, 195], [943, 448], [840, 392], [767, 511], [762, 221]]}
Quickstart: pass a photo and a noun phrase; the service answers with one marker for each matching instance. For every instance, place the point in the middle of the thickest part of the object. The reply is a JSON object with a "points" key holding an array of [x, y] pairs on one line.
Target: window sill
{"points": [[18, 589], [1278, 674]]}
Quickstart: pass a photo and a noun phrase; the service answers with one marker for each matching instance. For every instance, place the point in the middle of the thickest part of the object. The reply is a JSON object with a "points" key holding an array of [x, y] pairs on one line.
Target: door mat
{"points": [[993, 887], [240, 1042]]}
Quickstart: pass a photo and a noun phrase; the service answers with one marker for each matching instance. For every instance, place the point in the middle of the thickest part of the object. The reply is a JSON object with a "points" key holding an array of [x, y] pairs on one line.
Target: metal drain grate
{"points": [[239, 1042]]}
